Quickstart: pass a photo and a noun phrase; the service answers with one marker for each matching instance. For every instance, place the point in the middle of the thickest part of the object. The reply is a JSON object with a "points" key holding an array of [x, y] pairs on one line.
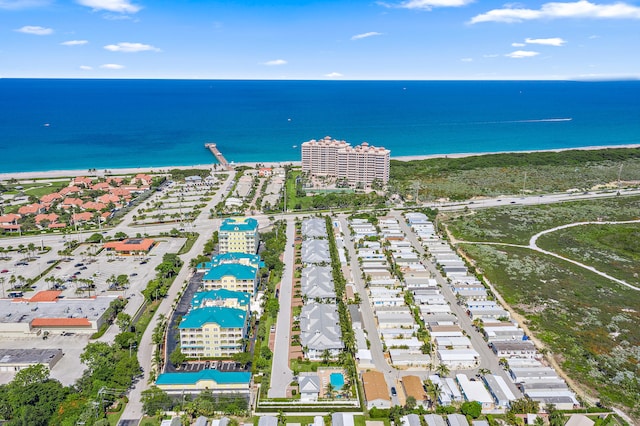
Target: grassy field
{"points": [[516, 224], [613, 249]]}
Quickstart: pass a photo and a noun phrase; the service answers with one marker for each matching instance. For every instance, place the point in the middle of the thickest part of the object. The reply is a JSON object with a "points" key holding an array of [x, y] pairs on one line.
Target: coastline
{"points": [[51, 174]]}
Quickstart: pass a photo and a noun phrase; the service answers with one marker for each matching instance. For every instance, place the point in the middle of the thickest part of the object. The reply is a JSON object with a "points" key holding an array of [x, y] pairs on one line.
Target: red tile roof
{"points": [[60, 322], [31, 208], [92, 205], [46, 296], [70, 201], [49, 198], [80, 217], [10, 218], [131, 244], [70, 190], [51, 217], [103, 186]]}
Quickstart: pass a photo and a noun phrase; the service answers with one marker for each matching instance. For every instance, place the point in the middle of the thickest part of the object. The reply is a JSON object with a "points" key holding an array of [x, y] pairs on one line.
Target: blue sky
{"points": [[306, 39]]}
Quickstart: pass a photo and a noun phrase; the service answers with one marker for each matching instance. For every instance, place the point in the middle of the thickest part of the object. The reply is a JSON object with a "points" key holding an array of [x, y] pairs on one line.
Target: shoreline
{"points": [[51, 174]]}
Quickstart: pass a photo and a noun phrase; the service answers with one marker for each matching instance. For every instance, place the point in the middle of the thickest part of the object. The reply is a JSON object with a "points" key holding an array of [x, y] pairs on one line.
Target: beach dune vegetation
{"points": [[461, 178]]}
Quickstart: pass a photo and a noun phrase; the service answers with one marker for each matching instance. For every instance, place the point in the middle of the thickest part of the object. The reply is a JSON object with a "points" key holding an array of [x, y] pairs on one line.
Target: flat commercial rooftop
{"points": [[22, 311], [15, 357]]}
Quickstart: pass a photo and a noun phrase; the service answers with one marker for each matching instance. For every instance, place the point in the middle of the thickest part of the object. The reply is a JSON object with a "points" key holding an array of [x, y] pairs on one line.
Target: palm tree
{"points": [[484, 371], [435, 394], [442, 370], [31, 248], [330, 390], [326, 356]]}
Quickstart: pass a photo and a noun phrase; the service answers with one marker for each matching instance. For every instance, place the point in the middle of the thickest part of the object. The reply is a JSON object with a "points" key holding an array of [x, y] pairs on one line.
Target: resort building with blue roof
{"points": [[213, 331], [219, 382], [238, 235], [221, 297], [232, 257], [231, 276]]}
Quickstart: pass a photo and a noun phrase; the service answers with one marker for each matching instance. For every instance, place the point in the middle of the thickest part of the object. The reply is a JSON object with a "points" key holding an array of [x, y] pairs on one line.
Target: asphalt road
{"points": [[488, 359], [206, 226], [281, 374]]}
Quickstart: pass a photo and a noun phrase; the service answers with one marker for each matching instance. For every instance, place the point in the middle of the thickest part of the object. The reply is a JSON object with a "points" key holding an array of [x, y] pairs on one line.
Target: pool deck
{"points": [[325, 378]]}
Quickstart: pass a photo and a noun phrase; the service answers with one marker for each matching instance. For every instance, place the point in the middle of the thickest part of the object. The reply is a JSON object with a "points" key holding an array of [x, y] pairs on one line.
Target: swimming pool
{"points": [[337, 381]]}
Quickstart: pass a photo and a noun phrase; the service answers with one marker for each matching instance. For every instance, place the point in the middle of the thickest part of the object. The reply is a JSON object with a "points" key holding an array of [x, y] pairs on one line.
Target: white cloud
{"points": [[275, 62], [112, 66], [519, 54], [492, 55], [21, 4], [120, 6], [131, 47], [34, 29], [74, 42], [467, 59], [593, 37], [365, 35], [333, 75], [427, 4], [86, 67], [557, 10], [518, 44], [554, 41]]}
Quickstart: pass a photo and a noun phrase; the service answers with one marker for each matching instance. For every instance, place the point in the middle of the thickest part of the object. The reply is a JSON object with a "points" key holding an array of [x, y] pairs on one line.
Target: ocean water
{"points": [[49, 124]]}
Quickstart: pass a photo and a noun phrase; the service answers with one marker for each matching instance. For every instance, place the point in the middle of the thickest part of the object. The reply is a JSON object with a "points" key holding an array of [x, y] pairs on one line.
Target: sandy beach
{"points": [[50, 174]]}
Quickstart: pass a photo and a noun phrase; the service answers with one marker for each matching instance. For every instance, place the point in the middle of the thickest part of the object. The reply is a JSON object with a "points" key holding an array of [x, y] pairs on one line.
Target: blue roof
{"points": [[232, 257], [254, 259], [220, 294], [239, 224], [220, 377], [224, 317], [241, 272]]}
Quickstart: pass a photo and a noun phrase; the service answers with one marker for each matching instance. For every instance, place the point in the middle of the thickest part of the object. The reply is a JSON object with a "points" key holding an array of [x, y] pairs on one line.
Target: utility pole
{"points": [[619, 175]]}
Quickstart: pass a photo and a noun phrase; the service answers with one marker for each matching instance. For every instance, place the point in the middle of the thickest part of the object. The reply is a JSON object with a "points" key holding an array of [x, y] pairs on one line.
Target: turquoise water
{"points": [[337, 381], [81, 124]]}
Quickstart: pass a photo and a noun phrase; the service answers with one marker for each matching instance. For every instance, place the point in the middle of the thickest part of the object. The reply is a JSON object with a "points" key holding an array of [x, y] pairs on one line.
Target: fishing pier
{"points": [[216, 153]]}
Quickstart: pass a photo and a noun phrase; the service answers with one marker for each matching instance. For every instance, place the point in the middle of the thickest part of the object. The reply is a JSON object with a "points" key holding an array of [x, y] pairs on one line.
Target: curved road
{"points": [[534, 246]]}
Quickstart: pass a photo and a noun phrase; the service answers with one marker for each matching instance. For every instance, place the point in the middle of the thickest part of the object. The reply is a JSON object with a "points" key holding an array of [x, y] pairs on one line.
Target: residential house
{"points": [[314, 228], [309, 386], [320, 332], [376, 392], [413, 386]]}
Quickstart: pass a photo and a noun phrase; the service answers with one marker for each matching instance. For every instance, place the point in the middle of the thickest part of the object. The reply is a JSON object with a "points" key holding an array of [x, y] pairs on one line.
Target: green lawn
{"points": [[44, 188]]}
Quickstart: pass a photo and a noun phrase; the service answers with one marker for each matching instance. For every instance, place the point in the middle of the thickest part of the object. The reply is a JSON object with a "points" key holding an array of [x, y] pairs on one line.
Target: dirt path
{"points": [[534, 246]]}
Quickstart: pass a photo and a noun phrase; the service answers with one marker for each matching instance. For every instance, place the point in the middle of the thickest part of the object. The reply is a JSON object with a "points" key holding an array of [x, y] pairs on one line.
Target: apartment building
{"points": [[216, 325], [239, 235], [360, 165]]}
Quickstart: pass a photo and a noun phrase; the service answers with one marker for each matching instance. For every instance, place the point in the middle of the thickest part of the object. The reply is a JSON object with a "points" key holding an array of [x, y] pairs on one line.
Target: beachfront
{"points": [[45, 174]]}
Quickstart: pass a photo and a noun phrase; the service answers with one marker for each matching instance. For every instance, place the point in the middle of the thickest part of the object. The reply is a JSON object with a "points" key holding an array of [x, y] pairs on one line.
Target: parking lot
{"points": [[83, 274]]}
